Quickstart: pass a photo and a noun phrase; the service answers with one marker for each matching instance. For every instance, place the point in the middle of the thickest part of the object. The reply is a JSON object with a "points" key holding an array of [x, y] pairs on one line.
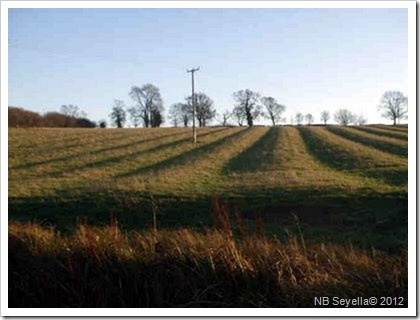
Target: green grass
{"points": [[249, 160], [397, 128], [382, 131], [59, 176], [382, 143], [355, 158], [346, 187]]}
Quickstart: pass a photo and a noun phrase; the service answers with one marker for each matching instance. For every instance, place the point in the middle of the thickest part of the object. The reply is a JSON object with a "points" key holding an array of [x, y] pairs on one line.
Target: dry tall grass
{"points": [[106, 267]]}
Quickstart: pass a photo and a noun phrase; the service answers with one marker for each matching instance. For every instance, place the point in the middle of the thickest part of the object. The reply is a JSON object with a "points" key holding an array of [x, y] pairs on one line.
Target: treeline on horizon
{"points": [[249, 106], [21, 118]]}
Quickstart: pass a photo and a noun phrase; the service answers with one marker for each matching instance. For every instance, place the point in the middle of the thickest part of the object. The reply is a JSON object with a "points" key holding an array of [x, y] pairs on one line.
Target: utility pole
{"points": [[193, 102]]}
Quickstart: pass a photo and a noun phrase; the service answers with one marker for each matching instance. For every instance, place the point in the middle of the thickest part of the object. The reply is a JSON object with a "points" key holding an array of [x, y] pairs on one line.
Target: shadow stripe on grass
{"points": [[188, 156], [256, 157], [93, 152], [346, 155], [384, 132], [115, 159], [391, 128], [384, 144]]}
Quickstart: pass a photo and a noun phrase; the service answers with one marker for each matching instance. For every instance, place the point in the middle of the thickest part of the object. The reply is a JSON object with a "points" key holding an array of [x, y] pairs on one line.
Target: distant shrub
{"points": [[85, 123], [56, 119], [19, 117]]}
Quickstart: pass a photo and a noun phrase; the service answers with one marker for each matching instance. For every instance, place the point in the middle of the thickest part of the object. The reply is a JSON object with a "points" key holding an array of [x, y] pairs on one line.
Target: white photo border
{"points": [[224, 312]]}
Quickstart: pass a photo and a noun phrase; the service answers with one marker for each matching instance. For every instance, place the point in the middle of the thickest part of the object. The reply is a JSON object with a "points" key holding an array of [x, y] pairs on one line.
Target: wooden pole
{"points": [[193, 102]]}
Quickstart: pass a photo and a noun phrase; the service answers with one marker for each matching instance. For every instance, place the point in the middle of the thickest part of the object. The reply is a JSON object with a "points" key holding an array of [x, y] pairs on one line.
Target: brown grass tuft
{"points": [[94, 268]]}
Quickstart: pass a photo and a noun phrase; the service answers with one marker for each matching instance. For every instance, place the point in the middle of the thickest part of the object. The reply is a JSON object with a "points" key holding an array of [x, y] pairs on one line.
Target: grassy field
{"points": [[397, 133], [334, 193]]}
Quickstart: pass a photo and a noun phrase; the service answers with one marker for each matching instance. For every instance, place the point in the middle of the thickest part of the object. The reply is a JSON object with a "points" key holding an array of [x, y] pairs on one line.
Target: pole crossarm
{"points": [[193, 70]]}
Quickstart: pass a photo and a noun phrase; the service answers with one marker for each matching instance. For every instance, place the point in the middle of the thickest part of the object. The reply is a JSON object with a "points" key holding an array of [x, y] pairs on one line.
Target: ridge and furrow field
{"points": [[343, 154], [96, 159], [275, 170], [280, 160], [89, 151], [200, 171], [384, 132], [391, 128], [385, 144], [187, 154], [255, 157], [277, 157]]}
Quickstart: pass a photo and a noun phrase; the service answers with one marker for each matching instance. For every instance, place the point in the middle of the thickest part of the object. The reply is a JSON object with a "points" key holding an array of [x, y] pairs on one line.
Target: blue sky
{"points": [[308, 59]]}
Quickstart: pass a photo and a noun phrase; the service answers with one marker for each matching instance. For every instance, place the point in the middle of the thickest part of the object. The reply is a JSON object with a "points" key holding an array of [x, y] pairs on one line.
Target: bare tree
{"points": [[360, 120], [187, 113], [309, 118], [247, 104], [72, 111], [325, 116], [118, 114], [175, 114], [344, 117], [274, 109], [134, 116], [239, 115], [291, 120], [299, 118], [180, 113], [149, 102], [204, 110], [224, 117], [394, 106]]}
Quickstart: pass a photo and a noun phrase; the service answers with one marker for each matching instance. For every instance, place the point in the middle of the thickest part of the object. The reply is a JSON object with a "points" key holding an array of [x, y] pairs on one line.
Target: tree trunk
{"points": [[249, 119]]}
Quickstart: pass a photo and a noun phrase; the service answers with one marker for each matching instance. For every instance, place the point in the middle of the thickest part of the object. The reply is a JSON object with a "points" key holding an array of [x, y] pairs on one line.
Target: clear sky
{"points": [[308, 59]]}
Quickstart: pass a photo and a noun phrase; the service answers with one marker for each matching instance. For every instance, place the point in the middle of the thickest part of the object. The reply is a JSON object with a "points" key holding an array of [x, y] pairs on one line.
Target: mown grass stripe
{"points": [[215, 162], [347, 155], [257, 156], [185, 152], [142, 153], [204, 173], [49, 136], [83, 151], [384, 132], [382, 143], [391, 128], [290, 152], [294, 172]]}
